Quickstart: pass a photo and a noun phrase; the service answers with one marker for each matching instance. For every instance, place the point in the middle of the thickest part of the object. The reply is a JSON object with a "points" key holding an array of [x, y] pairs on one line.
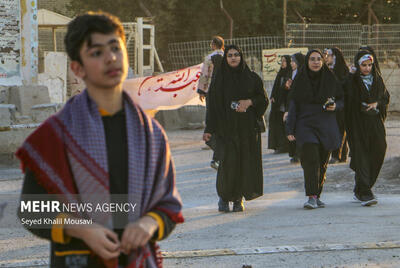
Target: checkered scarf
{"points": [[68, 156]]}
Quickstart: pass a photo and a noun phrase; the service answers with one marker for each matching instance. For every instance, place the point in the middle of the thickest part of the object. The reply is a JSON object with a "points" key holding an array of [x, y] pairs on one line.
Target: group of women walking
{"points": [[328, 108], [317, 108]]}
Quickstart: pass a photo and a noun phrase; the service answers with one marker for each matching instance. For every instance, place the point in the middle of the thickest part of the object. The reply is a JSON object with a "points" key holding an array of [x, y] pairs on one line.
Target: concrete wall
{"points": [[186, 117], [392, 81]]}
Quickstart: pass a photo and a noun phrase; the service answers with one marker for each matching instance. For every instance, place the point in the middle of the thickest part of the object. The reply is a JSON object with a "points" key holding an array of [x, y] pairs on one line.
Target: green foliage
{"points": [[191, 20]]}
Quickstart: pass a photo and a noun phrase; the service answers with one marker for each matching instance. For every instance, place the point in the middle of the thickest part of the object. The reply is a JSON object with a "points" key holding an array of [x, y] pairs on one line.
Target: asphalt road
{"points": [[273, 231]]}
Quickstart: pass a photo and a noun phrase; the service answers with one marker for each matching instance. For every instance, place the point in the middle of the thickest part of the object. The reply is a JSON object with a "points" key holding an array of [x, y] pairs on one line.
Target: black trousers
{"points": [[292, 149], [314, 161]]}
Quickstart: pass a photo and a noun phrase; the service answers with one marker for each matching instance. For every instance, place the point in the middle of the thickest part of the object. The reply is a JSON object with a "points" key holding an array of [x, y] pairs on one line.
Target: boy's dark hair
{"points": [[218, 41], [83, 26]]}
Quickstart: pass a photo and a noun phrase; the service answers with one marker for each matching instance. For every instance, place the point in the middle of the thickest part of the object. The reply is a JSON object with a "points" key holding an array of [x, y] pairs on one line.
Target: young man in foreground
{"points": [[102, 147]]}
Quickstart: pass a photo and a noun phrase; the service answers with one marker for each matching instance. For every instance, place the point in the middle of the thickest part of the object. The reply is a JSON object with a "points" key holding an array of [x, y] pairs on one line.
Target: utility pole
{"points": [[229, 18], [284, 19]]}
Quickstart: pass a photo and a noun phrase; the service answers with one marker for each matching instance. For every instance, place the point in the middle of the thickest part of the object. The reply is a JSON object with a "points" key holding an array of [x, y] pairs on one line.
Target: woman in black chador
{"points": [[335, 61], [236, 99], [316, 95], [277, 137], [297, 62], [366, 106]]}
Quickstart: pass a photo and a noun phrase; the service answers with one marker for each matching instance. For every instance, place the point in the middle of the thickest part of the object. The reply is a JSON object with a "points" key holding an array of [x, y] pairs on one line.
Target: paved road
{"points": [[273, 231]]}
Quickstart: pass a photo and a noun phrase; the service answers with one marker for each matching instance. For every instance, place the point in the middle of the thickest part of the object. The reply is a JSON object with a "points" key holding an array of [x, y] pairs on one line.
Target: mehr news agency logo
{"points": [[58, 207]]}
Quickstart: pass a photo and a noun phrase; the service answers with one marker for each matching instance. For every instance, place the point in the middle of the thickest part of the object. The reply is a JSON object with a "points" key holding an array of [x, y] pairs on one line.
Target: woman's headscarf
{"points": [[340, 68], [298, 58], [231, 84], [315, 87], [285, 71], [377, 88], [371, 51], [281, 77]]}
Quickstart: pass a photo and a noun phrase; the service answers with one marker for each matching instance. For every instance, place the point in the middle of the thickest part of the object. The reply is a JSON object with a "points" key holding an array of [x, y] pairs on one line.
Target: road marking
{"points": [[231, 252], [280, 249]]}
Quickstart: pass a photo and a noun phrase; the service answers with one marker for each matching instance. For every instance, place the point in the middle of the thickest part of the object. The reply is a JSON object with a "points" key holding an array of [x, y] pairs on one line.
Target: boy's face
{"points": [[104, 63]]}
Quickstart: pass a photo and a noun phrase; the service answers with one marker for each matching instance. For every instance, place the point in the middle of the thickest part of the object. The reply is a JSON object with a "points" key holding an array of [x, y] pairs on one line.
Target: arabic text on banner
{"points": [[271, 59], [166, 91]]}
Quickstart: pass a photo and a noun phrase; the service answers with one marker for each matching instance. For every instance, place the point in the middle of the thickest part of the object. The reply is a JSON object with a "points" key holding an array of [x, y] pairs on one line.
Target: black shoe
{"points": [[238, 206], [214, 164], [294, 160], [223, 206], [320, 204], [311, 203], [368, 200]]}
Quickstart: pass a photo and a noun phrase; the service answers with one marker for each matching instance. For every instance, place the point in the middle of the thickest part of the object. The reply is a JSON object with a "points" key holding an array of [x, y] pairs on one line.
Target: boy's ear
{"points": [[78, 69]]}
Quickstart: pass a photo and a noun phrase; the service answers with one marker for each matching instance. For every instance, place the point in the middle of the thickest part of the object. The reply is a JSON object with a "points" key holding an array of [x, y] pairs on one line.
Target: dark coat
{"points": [[307, 120]]}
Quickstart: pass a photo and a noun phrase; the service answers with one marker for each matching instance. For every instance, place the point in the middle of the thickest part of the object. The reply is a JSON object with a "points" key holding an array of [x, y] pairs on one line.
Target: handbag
{"points": [[260, 124]]}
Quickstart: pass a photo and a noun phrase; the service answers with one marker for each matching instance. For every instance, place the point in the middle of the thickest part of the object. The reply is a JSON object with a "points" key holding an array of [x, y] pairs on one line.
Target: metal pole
{"points": [[229, 18], [284, 19], [139, 46]]}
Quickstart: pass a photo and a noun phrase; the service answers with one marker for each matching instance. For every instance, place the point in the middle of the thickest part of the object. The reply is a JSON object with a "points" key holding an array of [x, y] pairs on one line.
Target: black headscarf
{"points": [[298, 58], [340, 69], [378, 88], [281, 77], [315, 87], [287, 70]]}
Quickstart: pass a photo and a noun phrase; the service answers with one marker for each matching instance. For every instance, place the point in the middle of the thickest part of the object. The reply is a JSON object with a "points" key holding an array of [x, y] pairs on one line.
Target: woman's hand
{"points": [[288, 84], [206, 136], [291, 138], [331, 108], [285, 115], [372, 106], [244, 105]]}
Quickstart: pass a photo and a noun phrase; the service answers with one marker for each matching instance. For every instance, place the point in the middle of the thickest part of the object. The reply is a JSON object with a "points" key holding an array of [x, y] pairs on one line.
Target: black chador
{"points": [[240, 173], [341, 71], [366, 130], [277, 136]]}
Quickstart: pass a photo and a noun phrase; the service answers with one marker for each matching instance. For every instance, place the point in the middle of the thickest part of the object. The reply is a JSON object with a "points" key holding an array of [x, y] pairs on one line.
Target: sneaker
{"points": [[367, 201], [214, 164], [223, 206], [238, 206], [356, 198], [320, 204], [311, 203]]}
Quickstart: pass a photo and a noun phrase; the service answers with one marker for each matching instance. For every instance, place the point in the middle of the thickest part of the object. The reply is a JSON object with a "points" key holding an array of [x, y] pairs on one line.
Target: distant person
{"points": [[297, 62], [336, 62], [366, 109], [316, 95], [277, 136], [101, 146], [236, 100], [210, 65]]}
